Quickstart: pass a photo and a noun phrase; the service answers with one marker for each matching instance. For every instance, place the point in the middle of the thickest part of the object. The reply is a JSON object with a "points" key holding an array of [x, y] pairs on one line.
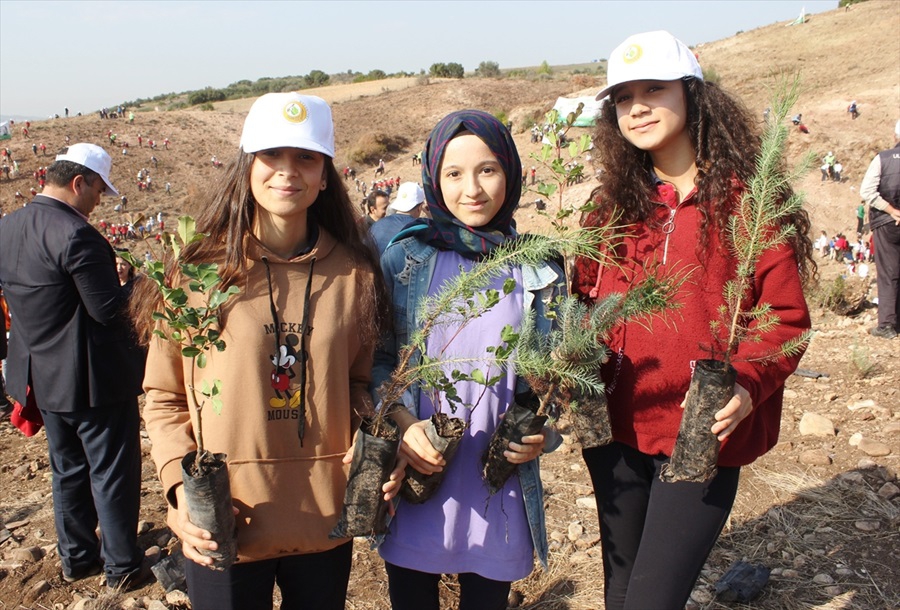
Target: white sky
{"points": [[62, 54]]}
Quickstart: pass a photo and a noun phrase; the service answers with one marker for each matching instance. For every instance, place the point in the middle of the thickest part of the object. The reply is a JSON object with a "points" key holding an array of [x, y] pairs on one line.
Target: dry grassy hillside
{"points": [[822, 511], [842, 55]]}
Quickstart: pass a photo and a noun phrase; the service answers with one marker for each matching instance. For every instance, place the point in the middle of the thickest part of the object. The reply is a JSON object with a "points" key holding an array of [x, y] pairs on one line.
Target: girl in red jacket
{"points": [[677, 151]]}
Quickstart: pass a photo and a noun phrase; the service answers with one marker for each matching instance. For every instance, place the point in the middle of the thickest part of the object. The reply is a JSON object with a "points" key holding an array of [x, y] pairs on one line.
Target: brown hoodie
{"points": [[289, 496]]}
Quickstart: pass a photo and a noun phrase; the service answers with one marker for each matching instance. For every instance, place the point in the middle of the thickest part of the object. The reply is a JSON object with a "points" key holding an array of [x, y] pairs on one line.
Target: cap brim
{"points": [[403, 208], [255, 147], [110, 189], [604, 93]]}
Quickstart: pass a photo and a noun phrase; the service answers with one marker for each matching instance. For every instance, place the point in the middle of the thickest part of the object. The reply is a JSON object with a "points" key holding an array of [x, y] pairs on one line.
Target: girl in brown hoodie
{"points": [[300, 336]]}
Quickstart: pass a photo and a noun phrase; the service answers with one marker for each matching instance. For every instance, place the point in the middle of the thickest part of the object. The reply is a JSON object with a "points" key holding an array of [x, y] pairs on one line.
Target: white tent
{"points": [[799, 20], [565, 105], [5, 133]]}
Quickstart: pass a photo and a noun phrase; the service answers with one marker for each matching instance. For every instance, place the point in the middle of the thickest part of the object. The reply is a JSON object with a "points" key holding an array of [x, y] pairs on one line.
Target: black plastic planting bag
{"points": [[590, 420], [374, 455], [696, 449], [519, 421], [444, 433], [208, 497]]}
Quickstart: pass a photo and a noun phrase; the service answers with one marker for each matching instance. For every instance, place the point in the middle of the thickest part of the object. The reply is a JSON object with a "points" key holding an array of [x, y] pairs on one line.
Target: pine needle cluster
{"points": [[569, 357], [759, 224]]}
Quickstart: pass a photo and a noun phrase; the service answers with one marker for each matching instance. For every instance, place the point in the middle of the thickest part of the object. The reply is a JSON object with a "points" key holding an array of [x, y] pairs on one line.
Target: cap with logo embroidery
{"points": [[650, 56], [290, 120]]}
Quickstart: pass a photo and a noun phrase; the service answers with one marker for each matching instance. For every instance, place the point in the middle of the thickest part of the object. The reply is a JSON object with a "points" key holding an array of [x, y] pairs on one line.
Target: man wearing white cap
{"points": [[406, 208], [71, 350]]}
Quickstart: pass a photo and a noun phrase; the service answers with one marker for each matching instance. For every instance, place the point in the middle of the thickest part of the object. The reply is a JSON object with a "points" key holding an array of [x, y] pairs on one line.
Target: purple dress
{"points": [[462, 528]]}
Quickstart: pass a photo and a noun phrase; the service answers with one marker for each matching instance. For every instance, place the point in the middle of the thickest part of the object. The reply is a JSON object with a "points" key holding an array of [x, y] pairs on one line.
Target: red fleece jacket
{"points": [[655, 369]]}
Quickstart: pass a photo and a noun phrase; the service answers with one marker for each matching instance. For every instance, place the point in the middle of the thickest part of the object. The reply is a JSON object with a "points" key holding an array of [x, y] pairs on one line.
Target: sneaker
{"points": [[884, 331], [131, 581], [76, 575]]}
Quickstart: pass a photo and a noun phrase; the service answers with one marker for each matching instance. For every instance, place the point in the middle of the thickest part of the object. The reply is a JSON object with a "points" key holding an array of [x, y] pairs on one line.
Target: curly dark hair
{"points": [[726, 144], [227, 216]]}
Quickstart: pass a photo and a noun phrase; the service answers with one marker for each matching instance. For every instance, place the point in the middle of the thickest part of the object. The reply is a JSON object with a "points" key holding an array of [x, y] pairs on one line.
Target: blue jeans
{"points": [[314, 581]]}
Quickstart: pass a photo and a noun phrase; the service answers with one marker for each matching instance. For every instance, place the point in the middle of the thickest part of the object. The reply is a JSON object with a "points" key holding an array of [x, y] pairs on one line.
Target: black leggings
{"points": [[655, 536], [414, 590], [316, 581]]}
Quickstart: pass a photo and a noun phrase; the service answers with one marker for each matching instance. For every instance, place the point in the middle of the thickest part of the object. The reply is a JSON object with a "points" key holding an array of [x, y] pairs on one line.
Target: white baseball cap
{"points": [[92, 157], [409, 195], [650, 56], [289, 119]]}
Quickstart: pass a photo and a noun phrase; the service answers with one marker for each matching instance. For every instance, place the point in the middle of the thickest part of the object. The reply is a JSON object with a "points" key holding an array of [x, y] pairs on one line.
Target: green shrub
{"points": [[711, 76], [451, 70], [372, 146], [206, 95], [488, 69]]}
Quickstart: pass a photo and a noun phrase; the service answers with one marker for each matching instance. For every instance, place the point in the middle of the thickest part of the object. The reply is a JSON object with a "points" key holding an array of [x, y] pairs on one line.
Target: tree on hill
{"points": [[206, 95], [488, 69], [316, 78], [451, 70]]}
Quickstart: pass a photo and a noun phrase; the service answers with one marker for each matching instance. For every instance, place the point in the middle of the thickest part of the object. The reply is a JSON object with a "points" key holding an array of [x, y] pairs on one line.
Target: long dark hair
{"points": [[726, 143], [226, 217]]}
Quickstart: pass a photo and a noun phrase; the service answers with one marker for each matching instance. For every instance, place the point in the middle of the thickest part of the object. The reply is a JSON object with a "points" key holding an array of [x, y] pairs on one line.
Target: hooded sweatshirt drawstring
{"points": [[302, 353]]}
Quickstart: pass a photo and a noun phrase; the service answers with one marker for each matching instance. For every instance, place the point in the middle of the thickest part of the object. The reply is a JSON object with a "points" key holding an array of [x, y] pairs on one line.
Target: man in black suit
{"points": [[72, 344]]}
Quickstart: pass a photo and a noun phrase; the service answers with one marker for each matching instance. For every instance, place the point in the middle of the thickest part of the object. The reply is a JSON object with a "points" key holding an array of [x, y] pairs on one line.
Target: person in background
{"points": [[71, 347], [123, 269], [376, 206], [5, 404], [406, 207], [880, 189]]}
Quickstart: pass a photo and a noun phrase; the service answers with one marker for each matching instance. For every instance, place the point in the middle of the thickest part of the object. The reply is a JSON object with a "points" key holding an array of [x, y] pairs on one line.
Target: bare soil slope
{"points": [[822, 511]]}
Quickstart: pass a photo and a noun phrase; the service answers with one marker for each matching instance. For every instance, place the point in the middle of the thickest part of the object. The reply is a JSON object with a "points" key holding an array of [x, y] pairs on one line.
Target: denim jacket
{"points": [[408, 266]]}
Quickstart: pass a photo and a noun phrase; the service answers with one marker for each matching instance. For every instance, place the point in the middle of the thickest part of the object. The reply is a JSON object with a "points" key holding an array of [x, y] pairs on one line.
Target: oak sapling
{"points": [[196, 330]]}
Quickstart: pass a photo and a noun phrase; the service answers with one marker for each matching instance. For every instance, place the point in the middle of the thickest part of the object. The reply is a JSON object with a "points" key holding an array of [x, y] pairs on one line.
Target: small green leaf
{"points": [[509, 334], [186, 229], [478, 377], [509, 285], [201, 360], [189, 351]]}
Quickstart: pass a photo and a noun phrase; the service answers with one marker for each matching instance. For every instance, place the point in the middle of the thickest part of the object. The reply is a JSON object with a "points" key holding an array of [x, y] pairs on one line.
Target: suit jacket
{"points": [[70, 337]]}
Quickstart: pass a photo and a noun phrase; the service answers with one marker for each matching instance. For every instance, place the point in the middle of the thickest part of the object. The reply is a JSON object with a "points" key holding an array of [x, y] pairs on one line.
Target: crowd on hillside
{"points": [[31, 170]]}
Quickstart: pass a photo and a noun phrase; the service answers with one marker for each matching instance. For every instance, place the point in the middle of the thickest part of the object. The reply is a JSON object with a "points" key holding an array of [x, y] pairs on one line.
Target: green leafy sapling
{"points": [[564, 172], [193, 327], [464, 298]]}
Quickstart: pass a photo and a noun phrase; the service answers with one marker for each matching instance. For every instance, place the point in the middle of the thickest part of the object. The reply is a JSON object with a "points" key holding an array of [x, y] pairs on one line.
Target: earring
{"points": [[324, 186]]}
